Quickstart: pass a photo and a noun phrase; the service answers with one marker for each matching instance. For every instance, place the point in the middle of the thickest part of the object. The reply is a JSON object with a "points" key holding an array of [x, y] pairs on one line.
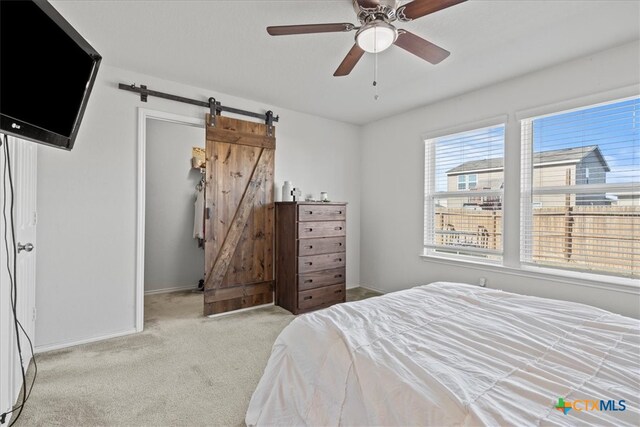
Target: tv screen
{"points": [[47, 72]]}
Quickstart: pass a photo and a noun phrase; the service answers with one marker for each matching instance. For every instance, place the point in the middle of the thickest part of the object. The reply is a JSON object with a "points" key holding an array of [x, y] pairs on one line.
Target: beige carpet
{"points": [[184, 369]]}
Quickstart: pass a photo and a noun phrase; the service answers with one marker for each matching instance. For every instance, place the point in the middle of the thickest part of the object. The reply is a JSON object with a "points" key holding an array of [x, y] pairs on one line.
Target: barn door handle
{"points": [[26, 247]]}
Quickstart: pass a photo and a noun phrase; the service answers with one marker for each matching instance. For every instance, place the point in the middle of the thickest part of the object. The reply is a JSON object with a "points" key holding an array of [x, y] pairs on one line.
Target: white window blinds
{"points": [[581, 189], [464, 176]]}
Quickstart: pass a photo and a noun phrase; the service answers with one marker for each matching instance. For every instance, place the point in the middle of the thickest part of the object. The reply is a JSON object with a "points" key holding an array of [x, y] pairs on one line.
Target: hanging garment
{"points": [[198, 220]]}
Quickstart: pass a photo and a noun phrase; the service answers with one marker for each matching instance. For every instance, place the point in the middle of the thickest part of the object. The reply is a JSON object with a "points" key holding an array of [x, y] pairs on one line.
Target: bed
{"points": [[452, 354]]}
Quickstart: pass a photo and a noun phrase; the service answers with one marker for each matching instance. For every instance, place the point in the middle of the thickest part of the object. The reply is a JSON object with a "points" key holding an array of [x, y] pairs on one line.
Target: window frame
{"points": [[527, 193], [510, 265], [458, 253]]}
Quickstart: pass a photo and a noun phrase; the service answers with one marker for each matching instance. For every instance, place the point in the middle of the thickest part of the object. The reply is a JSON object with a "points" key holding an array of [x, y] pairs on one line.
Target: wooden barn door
{"points": [[240, 215]]}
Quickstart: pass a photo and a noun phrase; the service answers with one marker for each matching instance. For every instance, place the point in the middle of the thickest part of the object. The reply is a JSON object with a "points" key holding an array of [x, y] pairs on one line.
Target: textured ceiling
{"points": [[223, 45]]}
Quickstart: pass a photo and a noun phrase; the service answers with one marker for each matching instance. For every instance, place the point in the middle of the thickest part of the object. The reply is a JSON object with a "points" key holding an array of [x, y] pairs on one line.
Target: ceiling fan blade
{"points": [[285, 30], [419, 8], [349, 61], [420, 47]]}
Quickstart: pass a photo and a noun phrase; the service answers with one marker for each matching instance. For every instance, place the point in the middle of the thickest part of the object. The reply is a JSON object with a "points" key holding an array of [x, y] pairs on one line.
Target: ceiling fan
{"points": [[377, 32]]}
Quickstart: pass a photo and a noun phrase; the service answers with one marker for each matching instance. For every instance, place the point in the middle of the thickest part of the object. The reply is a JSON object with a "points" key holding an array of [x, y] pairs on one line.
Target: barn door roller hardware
{"points": [[215, 107]]}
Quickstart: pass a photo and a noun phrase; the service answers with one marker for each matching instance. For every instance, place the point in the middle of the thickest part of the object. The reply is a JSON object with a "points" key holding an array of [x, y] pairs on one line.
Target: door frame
{"points": [[20, 150], [143, 115]]}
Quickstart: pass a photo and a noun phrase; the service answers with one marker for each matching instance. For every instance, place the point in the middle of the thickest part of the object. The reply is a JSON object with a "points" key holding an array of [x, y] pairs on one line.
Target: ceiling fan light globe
{"points": [[376, 37]]}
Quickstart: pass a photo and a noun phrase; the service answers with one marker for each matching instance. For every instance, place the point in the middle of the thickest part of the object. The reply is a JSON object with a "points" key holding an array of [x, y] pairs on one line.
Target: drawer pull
{"points": [[308, 263], [339, 212], [338, 260], [307, 298], [339, 244], [337, 276], [338, 291], [309, 212], [308, 229], [309, 247], [337, 228], [308, 281]]}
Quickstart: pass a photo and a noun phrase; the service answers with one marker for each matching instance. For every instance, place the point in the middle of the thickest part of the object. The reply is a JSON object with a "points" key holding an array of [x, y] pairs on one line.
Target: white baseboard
{"points": [[240, 310], [50, 347], [370, 288], [174, 289]]}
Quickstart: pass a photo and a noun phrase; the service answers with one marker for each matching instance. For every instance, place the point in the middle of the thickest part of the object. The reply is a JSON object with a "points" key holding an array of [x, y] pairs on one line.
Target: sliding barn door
{"points": [[240, 215]]}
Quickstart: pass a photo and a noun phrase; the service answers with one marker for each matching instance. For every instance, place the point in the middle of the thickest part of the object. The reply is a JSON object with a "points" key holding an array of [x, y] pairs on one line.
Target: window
{"points": [[463, 193], [581, 189], [467, 182]]}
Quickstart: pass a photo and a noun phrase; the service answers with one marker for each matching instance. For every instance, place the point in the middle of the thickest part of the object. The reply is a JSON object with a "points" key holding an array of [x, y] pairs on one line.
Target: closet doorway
{"points": [[169, 257]]}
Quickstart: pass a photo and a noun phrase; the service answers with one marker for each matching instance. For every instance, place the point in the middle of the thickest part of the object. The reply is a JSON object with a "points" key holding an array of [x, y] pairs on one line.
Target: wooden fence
{"points": [[598, 238], [469, 228]]}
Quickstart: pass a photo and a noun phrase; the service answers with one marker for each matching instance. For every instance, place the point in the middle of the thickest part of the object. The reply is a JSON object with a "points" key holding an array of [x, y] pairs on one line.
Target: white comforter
{"points": [[450, 354]]}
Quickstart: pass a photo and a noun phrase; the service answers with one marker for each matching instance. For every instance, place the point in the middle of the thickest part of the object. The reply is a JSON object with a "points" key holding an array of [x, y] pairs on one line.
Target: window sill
{"points": [[619, 284]]}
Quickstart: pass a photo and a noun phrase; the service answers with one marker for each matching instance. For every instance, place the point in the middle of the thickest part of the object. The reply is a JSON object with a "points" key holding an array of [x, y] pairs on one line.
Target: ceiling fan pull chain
{"points": [[375, 76]]}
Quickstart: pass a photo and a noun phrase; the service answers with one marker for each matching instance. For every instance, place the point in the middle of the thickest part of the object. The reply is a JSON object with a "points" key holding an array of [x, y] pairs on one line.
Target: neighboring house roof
{"points": [[552, 157]]}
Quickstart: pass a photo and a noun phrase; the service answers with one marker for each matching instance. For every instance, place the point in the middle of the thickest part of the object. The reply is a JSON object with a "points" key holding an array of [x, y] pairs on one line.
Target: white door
{"points": [[23, 156]]}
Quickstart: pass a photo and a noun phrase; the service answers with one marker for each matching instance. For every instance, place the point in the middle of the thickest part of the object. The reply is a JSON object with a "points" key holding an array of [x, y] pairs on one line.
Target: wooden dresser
{"points": [[310, 255]]}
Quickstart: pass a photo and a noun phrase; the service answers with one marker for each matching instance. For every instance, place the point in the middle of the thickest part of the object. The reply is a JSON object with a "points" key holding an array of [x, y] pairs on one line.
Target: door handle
{"points": [[26, 247]]}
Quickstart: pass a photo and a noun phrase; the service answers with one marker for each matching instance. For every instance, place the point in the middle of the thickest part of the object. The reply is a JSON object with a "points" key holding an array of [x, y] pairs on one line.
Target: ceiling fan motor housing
{"points": [[380, 10]]}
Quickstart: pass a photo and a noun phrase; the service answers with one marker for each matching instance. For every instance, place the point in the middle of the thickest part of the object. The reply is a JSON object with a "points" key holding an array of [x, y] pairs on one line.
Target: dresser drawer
{"points": [[320, 278], [321, 229], [322, 212], [321, 296], [308, 264], [319, 246]]}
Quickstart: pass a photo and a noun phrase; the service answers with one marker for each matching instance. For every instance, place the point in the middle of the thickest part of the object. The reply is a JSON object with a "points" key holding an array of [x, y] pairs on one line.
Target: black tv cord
{"points": [[14, 287]]}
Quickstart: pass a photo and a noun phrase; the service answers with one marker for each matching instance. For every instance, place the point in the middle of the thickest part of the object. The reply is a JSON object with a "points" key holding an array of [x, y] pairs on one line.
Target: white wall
{"points": [[393, 178], [172, 256], [87, 202]]}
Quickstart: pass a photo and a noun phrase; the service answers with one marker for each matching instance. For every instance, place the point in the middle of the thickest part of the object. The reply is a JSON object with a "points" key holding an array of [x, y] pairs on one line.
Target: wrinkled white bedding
{"points": [[450, 354]]}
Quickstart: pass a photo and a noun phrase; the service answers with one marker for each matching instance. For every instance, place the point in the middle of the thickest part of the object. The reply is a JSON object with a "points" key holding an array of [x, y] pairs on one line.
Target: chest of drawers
{"points": [[310, 255]]}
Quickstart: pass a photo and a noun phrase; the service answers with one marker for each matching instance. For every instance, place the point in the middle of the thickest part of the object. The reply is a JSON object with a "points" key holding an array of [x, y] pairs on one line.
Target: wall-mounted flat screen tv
{"points": [[47, 71]]}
